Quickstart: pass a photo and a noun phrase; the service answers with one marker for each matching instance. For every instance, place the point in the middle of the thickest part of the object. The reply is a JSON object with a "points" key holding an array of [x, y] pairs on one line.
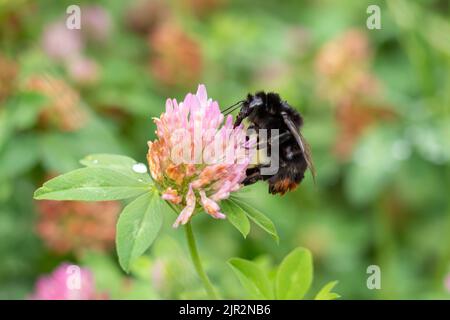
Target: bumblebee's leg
{"points": [[253, 175]]}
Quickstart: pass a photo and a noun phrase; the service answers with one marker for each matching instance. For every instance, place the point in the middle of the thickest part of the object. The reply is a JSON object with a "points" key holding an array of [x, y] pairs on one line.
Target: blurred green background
{"points": [[376, 107]]}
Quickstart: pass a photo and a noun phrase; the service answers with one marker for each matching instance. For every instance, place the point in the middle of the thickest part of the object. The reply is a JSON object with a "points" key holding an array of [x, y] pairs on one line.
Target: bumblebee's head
{"points": [[254, 101], [248, 105]]}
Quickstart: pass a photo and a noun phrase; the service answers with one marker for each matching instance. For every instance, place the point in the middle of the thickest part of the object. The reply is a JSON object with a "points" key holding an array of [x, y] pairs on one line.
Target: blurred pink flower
{"points": [[83, 70], [447, 283], [61, 43], [8, 76], [344, 78], [67, 46], [67, 282], [63, 109], [95, 23], [144, 16], [202, 8], [342, 68], [177, 58], [158, 274], [76, 226], [196, 161]]}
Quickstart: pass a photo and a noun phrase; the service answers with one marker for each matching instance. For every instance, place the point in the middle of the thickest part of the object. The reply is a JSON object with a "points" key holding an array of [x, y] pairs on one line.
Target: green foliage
{"points": [[112, 177], [138, 225], [118, 163], [326, 294], [92, 184], [240, 221], [294, 275], [19, 157], [253, 278], [237, 216], [293, 278], [384, 201]]}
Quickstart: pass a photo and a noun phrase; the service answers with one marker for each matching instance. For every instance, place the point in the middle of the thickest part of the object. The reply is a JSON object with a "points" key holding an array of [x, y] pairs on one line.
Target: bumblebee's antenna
{"points": [[231, 108], [231, 111]]}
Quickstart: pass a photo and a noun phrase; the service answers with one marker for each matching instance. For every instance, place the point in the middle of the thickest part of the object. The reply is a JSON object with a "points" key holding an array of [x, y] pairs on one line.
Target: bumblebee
{"points": [[268, 111]]}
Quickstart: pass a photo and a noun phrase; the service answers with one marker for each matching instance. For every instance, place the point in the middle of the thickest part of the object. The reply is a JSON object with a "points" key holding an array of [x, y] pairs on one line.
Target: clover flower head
{"points": [[199, 158]]}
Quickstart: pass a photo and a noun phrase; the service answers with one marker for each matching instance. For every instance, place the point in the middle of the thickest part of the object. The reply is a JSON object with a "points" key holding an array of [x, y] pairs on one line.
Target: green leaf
{"points": [[92, 184], [237, 217], [137, 227], [107, 160], [294, 276], [53, 160], [326, 294], [19, 155], [5, 127], [254, 279], [116, 162], [26, 107], [259, 218]]}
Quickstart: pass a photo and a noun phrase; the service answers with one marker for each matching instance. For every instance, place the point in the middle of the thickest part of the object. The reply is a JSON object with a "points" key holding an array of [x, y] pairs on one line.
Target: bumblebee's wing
{"points": [[304, 146]]}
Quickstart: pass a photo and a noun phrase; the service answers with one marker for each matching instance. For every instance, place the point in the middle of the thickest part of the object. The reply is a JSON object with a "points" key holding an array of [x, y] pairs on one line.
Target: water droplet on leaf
{"points": [[139, 168]]}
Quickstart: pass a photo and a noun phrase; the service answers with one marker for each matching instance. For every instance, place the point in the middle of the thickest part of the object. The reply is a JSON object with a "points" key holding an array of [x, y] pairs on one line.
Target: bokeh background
{"points": [[376, 106]]}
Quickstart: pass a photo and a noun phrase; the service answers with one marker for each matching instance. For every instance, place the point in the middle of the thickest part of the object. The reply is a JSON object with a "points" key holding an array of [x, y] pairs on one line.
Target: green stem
{"points": [[198, 264]]}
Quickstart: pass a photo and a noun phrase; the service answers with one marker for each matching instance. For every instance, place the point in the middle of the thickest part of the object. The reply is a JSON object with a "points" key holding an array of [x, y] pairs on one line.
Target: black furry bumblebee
{"points": [[268, 111]]}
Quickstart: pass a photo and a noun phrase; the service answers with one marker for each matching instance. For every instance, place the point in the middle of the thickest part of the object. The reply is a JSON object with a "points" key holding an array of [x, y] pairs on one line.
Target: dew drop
{"points": [[139, 168]]}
